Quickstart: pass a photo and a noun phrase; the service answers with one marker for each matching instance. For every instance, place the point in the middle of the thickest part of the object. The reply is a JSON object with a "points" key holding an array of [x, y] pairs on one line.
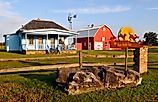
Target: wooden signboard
{"points": [[124, 44]]}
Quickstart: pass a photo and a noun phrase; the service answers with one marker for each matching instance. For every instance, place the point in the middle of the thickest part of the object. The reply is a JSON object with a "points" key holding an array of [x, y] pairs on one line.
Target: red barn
{"points": [[98, 37]]}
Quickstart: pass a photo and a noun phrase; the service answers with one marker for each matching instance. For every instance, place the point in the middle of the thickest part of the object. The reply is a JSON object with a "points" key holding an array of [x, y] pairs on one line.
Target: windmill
{"points": [[70, 17]]}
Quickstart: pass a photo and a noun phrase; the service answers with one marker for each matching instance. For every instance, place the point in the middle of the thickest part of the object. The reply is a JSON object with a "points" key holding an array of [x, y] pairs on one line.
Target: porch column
{"points": [[76, 43], [20, 42], [26, 41], [58, 40], [47, 41]]}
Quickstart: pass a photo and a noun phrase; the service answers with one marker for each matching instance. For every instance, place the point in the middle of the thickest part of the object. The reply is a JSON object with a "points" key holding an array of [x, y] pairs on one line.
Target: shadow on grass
{"points": [[121, 67], [46, 78], [35, 63], [3, 50], [42, 64], [49, 79], [153, 62], [153, 68], [62, 63]]}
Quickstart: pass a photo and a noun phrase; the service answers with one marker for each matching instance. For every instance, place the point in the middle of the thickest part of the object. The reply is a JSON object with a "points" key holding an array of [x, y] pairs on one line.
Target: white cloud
{"points": [[96, 10], [10, 21], [153, 8]]}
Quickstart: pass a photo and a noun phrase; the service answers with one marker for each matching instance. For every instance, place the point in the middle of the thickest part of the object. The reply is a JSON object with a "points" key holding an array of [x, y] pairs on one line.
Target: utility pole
{"points": [[89, 26], [88, 38]]}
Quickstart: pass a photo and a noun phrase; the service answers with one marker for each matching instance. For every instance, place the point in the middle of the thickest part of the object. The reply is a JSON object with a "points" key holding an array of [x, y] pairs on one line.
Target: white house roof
{"points": [[84, 32]]}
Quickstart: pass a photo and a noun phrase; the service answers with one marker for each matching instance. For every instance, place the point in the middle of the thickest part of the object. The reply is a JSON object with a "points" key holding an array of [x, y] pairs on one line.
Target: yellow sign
{"points": [[127, 34]]}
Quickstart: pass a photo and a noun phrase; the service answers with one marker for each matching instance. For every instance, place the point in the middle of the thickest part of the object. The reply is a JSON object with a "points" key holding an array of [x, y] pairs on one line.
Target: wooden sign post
{"points": [[126, 59], [125, 45], [141, 59]]}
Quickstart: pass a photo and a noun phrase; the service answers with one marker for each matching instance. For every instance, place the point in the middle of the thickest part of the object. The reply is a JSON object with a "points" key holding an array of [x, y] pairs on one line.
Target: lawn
{"points": [[6, 55], [52, 60], [41, 86], [94, 52], [19, 64]]}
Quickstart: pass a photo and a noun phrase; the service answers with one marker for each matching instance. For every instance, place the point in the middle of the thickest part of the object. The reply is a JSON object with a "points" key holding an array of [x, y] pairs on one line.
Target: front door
{"points": [[40, 43], [52, 42]]}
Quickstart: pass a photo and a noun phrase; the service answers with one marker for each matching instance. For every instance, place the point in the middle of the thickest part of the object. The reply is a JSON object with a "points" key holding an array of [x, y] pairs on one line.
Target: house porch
{"points": [[40, 43]]}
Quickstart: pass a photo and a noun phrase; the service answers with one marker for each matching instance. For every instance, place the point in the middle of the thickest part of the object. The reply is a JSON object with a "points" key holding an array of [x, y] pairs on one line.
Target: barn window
{"points": [[104, 29], [106, 43], [31, 40], [103, 38], [85, 44]]}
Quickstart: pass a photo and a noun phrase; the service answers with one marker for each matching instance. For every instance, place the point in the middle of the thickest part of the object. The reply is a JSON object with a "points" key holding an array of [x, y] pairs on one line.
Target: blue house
{"points": [[40, 36]]}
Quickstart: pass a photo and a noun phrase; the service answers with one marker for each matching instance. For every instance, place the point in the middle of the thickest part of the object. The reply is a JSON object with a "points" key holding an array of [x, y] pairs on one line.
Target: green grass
{"points": [[95, 52], [153, 50], [18, 64], [41, 86], [5, 55], [27, 87]]}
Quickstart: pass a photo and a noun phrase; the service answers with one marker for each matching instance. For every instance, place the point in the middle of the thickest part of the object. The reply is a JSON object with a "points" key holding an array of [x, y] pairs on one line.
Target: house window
{"points": [[40, 40], [31, 40], [61, 40]]}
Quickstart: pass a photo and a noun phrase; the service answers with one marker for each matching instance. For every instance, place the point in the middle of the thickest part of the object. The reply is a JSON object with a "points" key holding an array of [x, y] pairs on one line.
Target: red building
{"points": [[98, 37]]}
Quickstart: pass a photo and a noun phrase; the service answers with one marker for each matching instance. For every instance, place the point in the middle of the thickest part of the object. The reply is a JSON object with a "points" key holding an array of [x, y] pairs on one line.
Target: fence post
{"points": [[80, 58], [114, 60], [126, 60]]}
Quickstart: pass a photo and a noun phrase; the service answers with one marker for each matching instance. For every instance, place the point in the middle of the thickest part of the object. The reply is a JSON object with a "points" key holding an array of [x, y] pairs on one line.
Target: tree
{"points": [[151, 38]]}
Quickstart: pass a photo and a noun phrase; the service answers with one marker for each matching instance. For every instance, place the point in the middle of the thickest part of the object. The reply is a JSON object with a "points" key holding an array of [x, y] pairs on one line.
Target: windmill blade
{"points": [[75, 16]]}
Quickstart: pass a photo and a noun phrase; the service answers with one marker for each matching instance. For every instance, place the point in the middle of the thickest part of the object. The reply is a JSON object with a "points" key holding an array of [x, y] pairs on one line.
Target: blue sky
{"points": [[141, 15]]}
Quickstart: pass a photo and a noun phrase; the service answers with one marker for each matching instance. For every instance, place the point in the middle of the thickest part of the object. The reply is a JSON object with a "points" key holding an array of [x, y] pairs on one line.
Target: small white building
{"points": [[39, 36]]}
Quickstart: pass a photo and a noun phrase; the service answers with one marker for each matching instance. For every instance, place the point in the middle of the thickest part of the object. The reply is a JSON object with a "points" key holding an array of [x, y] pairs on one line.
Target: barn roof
{"points": [[84, 33], [42, 24], [92, 31]]}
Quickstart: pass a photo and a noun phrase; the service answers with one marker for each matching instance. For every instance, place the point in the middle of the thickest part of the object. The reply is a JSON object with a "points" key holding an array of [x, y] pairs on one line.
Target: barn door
{"points": [[98, 45]]}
